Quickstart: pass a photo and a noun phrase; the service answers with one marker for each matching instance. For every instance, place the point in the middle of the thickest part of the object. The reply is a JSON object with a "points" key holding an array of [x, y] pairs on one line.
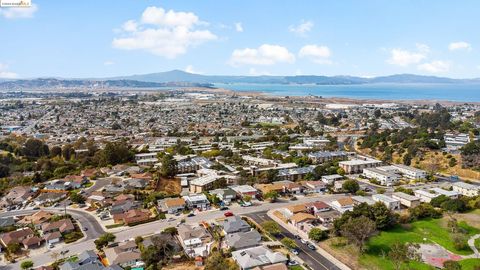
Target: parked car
{"points": [[224, 208], [310, 246], [294, 251], [297, 236], [303, 241], [191, 215], [292, 263], [228, 214], [85, 229], [51, 245]]}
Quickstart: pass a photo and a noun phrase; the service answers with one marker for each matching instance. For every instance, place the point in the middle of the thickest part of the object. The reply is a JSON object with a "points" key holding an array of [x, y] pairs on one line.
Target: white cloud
{"points": [[460, 45], [302, 29], [19, 12], [316, 53], [255, 72], [266, 54], [435, 67], [130, 26], [238, 27], [190, 69], [108, 63], [400, 57], [163, 33], [5, 74]]}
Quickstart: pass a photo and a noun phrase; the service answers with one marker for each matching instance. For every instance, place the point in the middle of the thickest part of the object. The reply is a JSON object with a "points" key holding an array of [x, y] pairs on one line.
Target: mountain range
{"points": [[178, 78]]}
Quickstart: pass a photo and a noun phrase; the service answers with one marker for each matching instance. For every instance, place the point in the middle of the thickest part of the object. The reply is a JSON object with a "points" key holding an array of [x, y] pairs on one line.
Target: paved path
{"points": [[471, 243]]}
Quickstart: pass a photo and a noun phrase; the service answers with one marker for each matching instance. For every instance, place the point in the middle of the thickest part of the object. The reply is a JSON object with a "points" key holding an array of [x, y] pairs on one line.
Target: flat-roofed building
{"points": [[322, 157], [466, 189], [384, 177], [406, 199], [390, 203], [410, 172], [358, 164], [362, 199], [425, 196], [330, 179], [448, 193]]}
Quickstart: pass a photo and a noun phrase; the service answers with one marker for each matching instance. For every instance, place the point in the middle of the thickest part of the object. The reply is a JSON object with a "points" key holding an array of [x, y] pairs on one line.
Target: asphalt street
{"points": [[312, 258]]}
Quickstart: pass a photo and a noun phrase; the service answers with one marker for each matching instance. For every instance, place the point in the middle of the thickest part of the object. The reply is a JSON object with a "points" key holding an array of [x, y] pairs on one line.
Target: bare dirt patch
{"points": [[169, 185]]}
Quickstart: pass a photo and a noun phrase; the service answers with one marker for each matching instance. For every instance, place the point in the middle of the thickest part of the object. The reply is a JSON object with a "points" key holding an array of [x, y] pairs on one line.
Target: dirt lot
{"points": [[183, 266], [346, 254], [170, 186]]}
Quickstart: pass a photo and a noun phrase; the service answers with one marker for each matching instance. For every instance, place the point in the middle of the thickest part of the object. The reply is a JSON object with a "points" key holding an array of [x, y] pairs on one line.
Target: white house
{"points": [[406, 199], [390, 202], [466, 189], [384, 177], [410, 172], [330, 179]]}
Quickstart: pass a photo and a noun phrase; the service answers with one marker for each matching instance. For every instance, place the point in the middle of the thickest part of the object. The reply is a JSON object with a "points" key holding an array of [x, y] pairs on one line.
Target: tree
{"points": [[4, 170], [383, 217], [289, 243], [13, 248], [451, 265], [170, 230], [77, 198], [271, 195], [402, 253], [217, 261], [169, 166], [56, 151], [103, 240], [157, 253], [115, 153], [358, 231], [317, 234], [351, 186], [35, 148], [26, 265], [247, 198], [271, 227]]}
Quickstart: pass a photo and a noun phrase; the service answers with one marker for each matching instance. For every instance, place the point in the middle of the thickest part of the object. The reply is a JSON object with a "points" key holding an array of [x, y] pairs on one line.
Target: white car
{"points": [[303, 241]]}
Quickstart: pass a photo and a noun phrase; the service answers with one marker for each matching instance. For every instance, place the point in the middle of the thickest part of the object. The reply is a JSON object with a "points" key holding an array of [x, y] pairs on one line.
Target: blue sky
{"points": [[364, 38]]}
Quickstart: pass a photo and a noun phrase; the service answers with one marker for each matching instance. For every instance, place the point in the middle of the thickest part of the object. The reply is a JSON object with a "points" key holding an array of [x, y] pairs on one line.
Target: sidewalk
{"points": [[305, 236]]}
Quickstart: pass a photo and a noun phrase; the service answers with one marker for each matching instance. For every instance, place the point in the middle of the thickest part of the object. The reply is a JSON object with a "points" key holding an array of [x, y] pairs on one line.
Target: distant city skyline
{"points": [[360, 38]]}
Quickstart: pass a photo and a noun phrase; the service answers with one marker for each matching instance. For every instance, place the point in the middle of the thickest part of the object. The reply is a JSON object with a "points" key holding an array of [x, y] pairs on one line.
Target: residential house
{"points": [[266, 188], [63, 226], [195, 240], [343, 204], [318, 206], [132, 216], [385, 178], [390, 203], [362, 199], [466, 189], [235, 224], [242, 240], [406, 199], [23, 236], [302, 221], [86, 260], [256, 257], [17, 195], [172, 205], [50, 197], [358, 164], [126, 254], [7, 222], [245, 190], [226, 195], [314, 186], [330, 179], [197, 201], [36, 219]]}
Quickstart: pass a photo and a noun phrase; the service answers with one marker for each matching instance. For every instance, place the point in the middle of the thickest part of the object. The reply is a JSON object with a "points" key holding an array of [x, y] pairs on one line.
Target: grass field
{"points": [[432, 230]]}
